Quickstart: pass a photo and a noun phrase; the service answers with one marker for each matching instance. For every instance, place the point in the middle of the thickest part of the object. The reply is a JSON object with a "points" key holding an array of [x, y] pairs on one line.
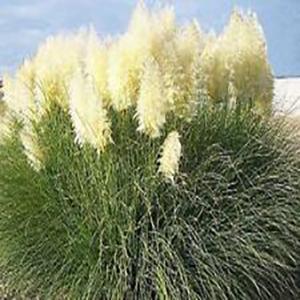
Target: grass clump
{"points": [[128, 171], [109, 226]]}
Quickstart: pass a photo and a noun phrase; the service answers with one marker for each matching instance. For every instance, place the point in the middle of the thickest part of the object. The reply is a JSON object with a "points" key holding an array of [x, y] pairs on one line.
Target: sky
{"points": [[24, 24]]}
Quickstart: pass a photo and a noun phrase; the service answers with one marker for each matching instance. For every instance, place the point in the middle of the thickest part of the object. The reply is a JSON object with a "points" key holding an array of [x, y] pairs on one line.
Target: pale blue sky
{"points": [[25, 23]]}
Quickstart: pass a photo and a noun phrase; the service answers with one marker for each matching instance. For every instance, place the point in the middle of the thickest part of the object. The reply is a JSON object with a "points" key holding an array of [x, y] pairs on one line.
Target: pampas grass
{"points": [[110, 226], [122, 177]]}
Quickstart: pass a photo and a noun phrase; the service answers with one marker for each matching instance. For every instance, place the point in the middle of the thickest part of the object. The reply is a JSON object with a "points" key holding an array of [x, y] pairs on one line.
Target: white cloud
{"points": [[28, 10]]}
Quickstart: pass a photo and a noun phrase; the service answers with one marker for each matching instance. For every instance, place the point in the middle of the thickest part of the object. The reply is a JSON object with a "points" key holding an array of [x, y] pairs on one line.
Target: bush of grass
{"points": [[110, 226], [122, 178]]}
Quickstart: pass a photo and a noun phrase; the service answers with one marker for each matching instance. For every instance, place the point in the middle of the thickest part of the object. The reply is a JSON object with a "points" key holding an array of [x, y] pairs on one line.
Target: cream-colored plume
{"points": [[152, 105], [89, 117], [31, 146], [170, 158]]}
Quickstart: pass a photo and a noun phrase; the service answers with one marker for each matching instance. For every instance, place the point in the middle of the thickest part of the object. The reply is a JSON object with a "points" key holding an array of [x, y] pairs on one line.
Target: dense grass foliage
{"points": [[109, 226]]}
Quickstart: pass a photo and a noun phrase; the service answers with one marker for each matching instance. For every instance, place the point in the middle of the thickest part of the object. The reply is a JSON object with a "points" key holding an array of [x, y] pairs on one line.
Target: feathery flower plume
{"points": [[56, 61], [126, 59], [188, 44], [5, 127], [31, 146], [5, 121], [13, 97], [214, 69], [9, 92], [239, 58], [162, 32], [171, 153], [19, 93], [123, 75], [88, 115], [140, 20], [147, 34], [96, 64], [26, 81], [151, 106], [247, 57]]}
